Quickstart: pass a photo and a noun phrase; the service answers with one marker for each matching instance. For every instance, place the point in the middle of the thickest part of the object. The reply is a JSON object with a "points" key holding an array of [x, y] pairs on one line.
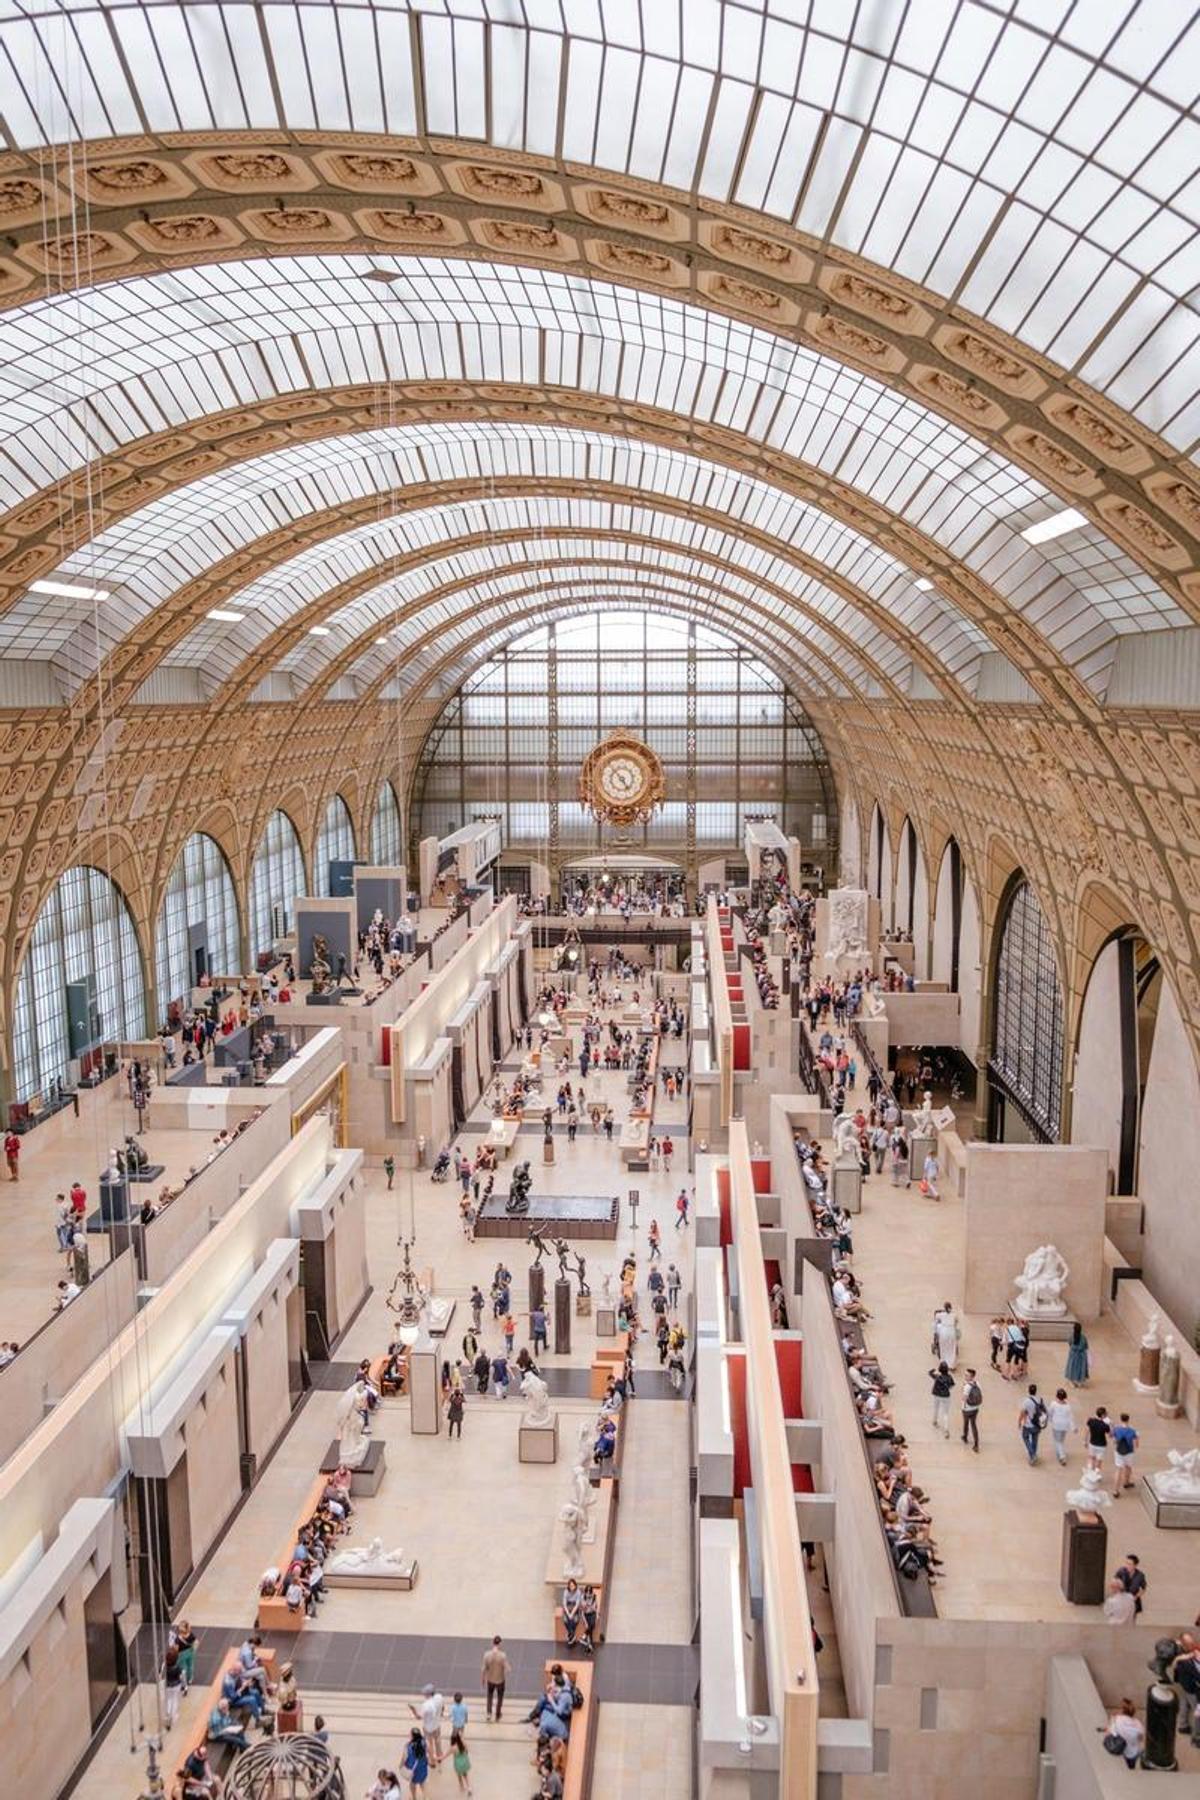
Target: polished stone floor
{"points": [[481, 1523]]}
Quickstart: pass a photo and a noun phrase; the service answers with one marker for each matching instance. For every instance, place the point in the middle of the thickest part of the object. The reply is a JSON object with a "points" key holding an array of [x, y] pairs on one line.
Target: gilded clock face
{"points": [[621, 781]]}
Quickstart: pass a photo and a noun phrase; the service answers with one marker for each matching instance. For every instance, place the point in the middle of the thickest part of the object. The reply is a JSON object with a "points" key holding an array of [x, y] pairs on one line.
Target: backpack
{"points": [[1040, 1416], [974, 1395], [576, 1697]]}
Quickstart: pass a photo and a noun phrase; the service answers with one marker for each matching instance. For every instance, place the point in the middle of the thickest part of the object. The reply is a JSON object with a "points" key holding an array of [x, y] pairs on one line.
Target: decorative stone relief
{"points": [[298, 224], [413, 226], [181, 235], [1146, 536], [867, 295], [234, 171], [1114, 445]]}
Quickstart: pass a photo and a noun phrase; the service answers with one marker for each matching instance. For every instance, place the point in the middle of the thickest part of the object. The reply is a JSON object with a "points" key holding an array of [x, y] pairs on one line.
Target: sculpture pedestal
{"points": [[583, 1306], [537, 1286], [424, 1389], [368, 1477], [1169, 1515], [1168, 1409], [1084, 1553], [1045, 1327], [538, 1443], [1147, 1375], [920, 1145], [562, 1318], [548, 1150], [847, 1185], [606, 1321]]}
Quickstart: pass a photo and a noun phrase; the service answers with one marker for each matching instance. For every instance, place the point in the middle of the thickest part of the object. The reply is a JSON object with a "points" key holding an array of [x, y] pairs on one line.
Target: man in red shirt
{"points": [[79, 1201], [12, 1150]]}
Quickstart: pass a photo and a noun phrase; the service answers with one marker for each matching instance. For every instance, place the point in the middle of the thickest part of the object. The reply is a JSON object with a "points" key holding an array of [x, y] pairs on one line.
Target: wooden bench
{"points": [[581, 1744], [607, 1363], [274, 1613], [375, 1372], [219, 1755]]}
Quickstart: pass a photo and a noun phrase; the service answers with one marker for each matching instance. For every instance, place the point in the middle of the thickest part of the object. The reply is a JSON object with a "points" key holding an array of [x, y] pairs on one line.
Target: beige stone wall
{"points": [[1022, 1195], [44, 1704], [265, 1347], [213, 1474], [350, 1257]]}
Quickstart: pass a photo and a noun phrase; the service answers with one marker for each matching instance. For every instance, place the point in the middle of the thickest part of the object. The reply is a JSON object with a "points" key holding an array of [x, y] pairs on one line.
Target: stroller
{"points": [[441, 1168]]}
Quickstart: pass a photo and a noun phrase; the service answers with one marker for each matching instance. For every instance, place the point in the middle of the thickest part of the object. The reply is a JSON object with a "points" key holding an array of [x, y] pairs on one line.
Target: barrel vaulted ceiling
{"points": [[383, 326]]}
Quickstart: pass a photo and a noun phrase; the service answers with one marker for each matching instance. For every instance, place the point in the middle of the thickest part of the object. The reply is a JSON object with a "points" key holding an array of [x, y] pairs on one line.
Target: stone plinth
{"points": [[1169, 1514], [606, 1321], [538, 1443], [367, 1479], [847, 1186]]}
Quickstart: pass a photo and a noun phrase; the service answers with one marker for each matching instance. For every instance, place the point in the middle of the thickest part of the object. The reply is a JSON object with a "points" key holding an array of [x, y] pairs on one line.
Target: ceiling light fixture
{"points": [[1070, 519], [318, 631], [68, 590], [924, 585], [226, 618]]}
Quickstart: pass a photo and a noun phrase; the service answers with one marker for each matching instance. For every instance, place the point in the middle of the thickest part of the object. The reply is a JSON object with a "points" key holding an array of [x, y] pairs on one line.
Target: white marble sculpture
{"points": [[1181, 1480], [606, 1293], [574, 1523], [367, 1559], [876, 1005], [1040, 1285], [583, 1494], [353, 1444], [845, 1140], [923, 1124], [1150, 1337], [536, 1395], [848, 922], [1091, 1494]]}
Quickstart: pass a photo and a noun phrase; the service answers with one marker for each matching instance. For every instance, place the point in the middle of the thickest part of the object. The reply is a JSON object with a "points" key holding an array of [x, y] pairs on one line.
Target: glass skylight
{"points": [[1036, 161]]}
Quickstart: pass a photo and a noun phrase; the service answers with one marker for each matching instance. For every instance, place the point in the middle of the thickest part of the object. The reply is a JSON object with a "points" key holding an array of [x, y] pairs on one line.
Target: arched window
{"points": [[197, 930], [385, 828], [83, 934], [1027, 1035], [335, 842], [276, 877]]}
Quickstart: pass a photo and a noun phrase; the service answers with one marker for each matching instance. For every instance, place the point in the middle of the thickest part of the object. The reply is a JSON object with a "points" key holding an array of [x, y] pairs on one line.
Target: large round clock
{"points": [[621, 780]]}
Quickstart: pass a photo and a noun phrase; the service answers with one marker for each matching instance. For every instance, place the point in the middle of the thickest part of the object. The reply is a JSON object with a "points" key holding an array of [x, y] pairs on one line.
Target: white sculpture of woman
{"points": [[923, 1125], [845, 1139], [351, 1418], [574, 1521], [1040, 1284], [537, 1396], [364, 1556]]}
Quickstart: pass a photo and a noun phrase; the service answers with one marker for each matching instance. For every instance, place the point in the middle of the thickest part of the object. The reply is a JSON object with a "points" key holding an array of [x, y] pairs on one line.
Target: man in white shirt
{"points": [[1119, 1607], [1061, 1421], [430, 1713], [67, 1291]]}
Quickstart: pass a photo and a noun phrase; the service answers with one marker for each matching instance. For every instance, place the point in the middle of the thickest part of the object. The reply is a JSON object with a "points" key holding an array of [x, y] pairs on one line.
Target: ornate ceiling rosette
{"points": [[621, 782]]}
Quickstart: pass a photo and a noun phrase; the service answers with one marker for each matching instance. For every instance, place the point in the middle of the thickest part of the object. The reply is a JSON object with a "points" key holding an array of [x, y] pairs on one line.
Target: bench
{"points": [[375, 1372], [274, 1614], [219, 1755], [581, 1745], [607, 1364]]}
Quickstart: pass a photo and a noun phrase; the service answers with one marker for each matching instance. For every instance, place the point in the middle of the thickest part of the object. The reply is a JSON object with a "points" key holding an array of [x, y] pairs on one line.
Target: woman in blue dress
{"points": [[1076, 1370], [416, 1762]]}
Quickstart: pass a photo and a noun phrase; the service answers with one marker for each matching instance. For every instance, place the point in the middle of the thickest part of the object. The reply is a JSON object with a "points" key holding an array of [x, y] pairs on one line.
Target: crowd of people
{"points": [[903, 1505]]}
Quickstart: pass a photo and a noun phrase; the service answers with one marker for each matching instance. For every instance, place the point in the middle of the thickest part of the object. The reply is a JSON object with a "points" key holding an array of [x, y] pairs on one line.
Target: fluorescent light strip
{"points": [[226, 618], [68, 590], [318, 631], [924, 585], [1070, 519]]}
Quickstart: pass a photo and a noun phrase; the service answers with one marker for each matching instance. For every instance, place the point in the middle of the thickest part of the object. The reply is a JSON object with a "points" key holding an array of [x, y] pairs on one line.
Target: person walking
{"points": [[681, 1209], [172, 1680], [942, 1387], [654, 1238], [12, 1153], [462, 1763], [1119, 1608], [1099, 1430], [416, 1762], [674, 1282], [455, 1407], [538, 1328], [1125, 1443], [476, 1307], [500, 1376], [930, 1173], [1031, 1421], [510, 1332], [389, 1169], [996, 1339], [1062, 1421], [899, 1148], [1078, 1367], [971, 1400], [494, 1675]]}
